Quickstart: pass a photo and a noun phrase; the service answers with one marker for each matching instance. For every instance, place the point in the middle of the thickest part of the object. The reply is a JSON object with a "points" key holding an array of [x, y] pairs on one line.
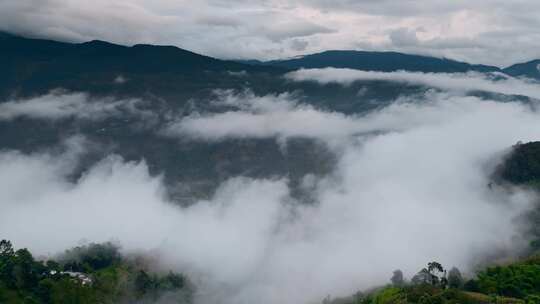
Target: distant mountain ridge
{"points": [[18, 53], [99, 53], [378, 61], [529, 69], [35, 66], [394, 61]]}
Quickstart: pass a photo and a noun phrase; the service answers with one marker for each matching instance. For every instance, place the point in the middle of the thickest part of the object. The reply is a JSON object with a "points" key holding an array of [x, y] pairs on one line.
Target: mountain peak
{"points": [[387, 61], [530, 69], [100, 43]]}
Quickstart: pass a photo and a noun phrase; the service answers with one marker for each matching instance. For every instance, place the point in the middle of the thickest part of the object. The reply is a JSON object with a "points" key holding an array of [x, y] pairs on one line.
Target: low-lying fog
{"points": [[411, 186]]}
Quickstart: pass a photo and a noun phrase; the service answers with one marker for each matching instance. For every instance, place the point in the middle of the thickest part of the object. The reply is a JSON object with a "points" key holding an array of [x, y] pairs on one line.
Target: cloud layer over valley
{"points": [[269, 151], [410, 186], [454, 82]]}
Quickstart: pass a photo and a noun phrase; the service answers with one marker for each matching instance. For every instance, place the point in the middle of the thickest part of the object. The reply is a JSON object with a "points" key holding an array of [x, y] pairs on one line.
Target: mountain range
{"points": [[172, 80], [393, 61], [36, 65]]}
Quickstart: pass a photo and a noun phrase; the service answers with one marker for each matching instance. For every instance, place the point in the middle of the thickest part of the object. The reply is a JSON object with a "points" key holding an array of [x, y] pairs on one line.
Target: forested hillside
{"points": [[95, 273]]}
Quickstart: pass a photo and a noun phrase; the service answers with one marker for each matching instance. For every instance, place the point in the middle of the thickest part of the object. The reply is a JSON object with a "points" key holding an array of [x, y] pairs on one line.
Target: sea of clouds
{"points": [[410, 186]]}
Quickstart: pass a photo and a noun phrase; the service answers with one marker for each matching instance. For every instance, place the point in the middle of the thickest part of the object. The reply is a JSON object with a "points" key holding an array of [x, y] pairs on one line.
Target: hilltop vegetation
{"points": [[95, 273], [522, 168], [514, 283]]}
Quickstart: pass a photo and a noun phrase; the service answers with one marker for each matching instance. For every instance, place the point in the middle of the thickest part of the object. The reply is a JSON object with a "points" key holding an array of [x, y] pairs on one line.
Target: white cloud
{"points": [[120, 79], [260, 117], [283, 116], [55, 106], [412, 191], [450, 82]]}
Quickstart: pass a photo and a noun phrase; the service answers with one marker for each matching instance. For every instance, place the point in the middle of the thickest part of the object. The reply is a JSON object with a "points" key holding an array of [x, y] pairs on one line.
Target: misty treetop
{"points": [[95, 273], [516, 283]]}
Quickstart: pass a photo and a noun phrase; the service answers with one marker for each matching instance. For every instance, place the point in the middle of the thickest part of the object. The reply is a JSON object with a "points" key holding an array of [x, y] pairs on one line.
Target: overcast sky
{"points": [[498, 32]]}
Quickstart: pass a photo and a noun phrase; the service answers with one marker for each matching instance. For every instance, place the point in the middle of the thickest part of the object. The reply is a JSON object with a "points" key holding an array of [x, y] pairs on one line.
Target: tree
{"points": [[26, 271], [431, 275], [53, 265], [172, 281], [471, 285], [432, 266], [455, 280], [397, 278], [91, 257], [26, 280], [143, 283], [532, 299], [7, 263], [422, 277], [6, 249], [444, 281]]}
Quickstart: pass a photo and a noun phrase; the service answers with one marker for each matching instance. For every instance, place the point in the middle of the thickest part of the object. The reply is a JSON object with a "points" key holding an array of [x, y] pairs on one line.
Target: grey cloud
{"points": [[227, 21], [281, 31], [60, 105], [229, 30], [386, 7], [270, 29], [415, 8], [122, 21], [299, 45], [404, 37]]}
